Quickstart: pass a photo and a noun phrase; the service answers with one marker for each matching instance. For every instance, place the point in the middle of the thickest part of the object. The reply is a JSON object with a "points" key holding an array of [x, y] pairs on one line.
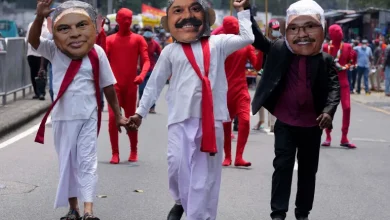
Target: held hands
{"points": [[138, 80], [239, 5], [43, 8], [134, 122], [325, 121], [122, 122]]}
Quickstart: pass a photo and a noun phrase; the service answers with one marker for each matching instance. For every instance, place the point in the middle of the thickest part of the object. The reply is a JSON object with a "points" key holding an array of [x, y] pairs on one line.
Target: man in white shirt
{"points": [[197, 100], [37, 63], [80, 70]]}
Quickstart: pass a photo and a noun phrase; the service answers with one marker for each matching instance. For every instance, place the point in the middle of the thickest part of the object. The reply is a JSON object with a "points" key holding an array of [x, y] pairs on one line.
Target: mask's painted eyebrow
{"points": [[193, 4], [81, 22]]}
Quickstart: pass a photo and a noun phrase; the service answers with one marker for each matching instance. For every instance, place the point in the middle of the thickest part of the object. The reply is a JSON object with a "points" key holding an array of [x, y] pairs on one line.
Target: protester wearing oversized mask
{"points": [[80, 70], [187, 21], [124, 49], [300, 87], [197, 100]]}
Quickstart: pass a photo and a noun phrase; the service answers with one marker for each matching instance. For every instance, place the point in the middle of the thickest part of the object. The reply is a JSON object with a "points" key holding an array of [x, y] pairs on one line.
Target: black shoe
{"points": [[303, 218], [41, 97], [88, 216], [72, 215], [35, 97], [176, 212], [277, 218]]}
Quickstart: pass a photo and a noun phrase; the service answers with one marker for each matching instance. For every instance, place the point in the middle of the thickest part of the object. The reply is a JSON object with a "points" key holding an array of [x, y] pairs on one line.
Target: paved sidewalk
{"points": [[16, 113], [375, 99]]}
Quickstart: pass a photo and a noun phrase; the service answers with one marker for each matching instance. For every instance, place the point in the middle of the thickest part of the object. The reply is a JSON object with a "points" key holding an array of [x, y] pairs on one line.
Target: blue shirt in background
{"points": [[363, 56]]}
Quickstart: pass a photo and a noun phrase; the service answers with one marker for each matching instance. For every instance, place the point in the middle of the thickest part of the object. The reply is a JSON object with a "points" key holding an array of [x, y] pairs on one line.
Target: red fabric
{"points": [[154, 50], [101, 38], [68, 78], [294, 109], [347, 55], [123, 51], [238, 97], [127, 100], [209, 141]]}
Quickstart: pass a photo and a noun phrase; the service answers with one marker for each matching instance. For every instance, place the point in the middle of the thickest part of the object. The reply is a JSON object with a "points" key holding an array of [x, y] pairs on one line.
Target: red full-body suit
{"points": [[238, 98], [123, 51], [345, 60]]}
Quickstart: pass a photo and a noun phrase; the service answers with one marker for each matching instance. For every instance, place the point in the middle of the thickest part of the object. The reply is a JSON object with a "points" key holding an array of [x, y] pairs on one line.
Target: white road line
{"points": [[22, 135], [369, 140], [295, 166]]}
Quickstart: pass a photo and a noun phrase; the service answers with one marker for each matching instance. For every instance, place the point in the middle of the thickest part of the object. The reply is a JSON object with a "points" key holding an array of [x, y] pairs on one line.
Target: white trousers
{"points": [[194, 176], [76, 145]]}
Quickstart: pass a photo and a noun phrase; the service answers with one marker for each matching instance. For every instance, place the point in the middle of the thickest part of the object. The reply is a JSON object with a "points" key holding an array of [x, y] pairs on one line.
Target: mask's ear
{"points": [[164, 23], [212, 18]]}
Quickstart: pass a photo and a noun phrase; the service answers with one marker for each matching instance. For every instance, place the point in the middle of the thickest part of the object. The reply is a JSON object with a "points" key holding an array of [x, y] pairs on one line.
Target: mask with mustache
{"points": [[304, 40], [188, 20]]}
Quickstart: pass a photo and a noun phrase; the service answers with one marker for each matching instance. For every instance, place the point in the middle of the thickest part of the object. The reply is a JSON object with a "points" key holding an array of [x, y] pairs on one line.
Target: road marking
{"points": [[295, 166], [22, 135], [372, 108], [370, 140]]}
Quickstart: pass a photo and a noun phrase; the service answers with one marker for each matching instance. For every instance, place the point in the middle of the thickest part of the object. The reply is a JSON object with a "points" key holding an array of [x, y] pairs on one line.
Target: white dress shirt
{"points": [[184, 94], [44, 33], [79, 100]]}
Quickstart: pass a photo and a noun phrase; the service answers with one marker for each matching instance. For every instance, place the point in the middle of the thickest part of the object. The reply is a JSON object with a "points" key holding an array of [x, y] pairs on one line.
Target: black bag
{"points": [[41, 81]]}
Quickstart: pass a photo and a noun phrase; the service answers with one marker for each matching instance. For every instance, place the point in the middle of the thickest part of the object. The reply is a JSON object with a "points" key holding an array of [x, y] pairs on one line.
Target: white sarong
{"points": [[194, 176], [76, 145]]}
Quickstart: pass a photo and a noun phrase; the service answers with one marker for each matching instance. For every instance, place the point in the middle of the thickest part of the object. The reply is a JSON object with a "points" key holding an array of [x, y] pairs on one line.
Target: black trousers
{"points": [[290, 140], [35, 64]]}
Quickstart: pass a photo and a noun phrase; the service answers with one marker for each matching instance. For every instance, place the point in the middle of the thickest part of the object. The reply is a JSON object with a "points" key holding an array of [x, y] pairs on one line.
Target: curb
{"points": [[24, 118], [371, 107]]}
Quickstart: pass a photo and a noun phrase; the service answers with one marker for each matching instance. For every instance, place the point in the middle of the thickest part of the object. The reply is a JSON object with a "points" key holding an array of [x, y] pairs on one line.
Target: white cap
{"points": [[305, 7]]}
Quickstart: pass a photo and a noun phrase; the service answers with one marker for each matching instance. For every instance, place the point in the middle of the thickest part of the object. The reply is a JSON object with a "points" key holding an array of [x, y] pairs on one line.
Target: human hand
{"points": [[134, 122], [122, 122], [325, 121], [138, 80], [239, 5], [43, 8], [41, 73]]}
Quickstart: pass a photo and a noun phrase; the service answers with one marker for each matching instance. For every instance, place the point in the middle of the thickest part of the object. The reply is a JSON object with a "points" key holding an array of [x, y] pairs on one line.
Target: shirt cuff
{"points": [[142, 111]]}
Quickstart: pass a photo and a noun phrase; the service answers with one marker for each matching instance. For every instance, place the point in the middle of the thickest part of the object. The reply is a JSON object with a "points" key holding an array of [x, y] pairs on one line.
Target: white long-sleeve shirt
{"points": [[184, 94]]}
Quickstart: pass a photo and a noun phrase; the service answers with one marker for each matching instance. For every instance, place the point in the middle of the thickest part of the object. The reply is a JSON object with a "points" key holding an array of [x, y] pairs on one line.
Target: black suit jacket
{"points": [[324, 79]]}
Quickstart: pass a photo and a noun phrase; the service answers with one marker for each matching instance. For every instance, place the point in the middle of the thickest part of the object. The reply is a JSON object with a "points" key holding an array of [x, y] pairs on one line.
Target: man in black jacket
{"points": [[300, 87]]}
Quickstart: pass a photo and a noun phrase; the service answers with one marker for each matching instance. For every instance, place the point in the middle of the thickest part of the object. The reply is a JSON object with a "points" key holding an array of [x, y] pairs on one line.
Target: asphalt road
{"points": [[351, 184]]}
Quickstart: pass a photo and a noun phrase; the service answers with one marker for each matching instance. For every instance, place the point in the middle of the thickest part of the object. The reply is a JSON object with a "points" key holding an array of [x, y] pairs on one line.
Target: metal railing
{"points": [[14, 69]]}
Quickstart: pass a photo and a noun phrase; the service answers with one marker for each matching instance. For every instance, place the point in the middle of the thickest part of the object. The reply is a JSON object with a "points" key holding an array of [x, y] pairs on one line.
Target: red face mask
{"points": [[124, 18], [336, 33], [230, 25]]}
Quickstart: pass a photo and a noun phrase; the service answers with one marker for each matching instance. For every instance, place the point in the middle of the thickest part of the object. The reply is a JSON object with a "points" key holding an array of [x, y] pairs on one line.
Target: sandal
{"points": [[72, 215], [152, 111], [90, 217], [326, 144], [348, 145]]}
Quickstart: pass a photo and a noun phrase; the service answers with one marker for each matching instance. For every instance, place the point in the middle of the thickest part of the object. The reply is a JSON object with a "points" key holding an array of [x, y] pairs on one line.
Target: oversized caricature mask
{"points": [[305, 23], [188, 20], [124, 18], [336, 34], [74, 28], [230, 25]]}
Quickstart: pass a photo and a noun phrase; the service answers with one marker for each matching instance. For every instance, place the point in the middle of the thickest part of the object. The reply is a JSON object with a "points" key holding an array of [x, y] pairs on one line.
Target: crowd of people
{"points": [[301, 82]]}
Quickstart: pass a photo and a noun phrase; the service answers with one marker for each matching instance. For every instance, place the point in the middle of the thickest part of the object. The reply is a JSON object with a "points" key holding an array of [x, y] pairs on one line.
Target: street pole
{"points": [[347, 5], [231, 7], [109, 6]]}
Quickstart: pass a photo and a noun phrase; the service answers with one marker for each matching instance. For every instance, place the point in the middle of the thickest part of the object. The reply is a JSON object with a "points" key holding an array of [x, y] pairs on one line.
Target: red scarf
{"points": [[68, 78], [209, 141]]}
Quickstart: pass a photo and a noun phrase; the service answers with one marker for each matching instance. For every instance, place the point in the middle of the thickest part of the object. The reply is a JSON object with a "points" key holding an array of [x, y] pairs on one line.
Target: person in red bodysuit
{"points": [[123, 51], [343, 54], [238, 98]]}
